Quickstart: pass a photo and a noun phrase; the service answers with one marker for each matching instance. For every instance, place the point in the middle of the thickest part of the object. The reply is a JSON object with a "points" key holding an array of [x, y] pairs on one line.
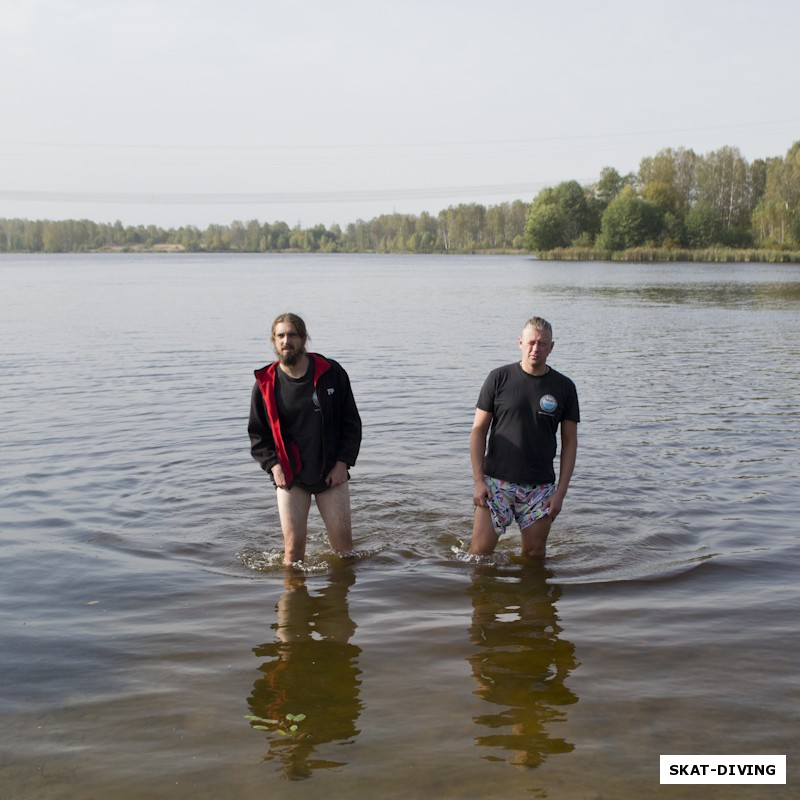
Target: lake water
{"points": [[147, 623]]}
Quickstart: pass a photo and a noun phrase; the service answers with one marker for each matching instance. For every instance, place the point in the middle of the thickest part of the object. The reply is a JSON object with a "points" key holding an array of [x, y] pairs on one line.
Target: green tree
{"points": [[702, 226], [630, 221], [776, 219], [609, 185], [724, 181], [255, 241], [515, 223], [468, 227], [668, 179], [189, 237], [495, 221], [237, 236], [279, 236], [215, 239], [298, 239], [426, 231], [546, 226], [558, 217], [57, 236]]}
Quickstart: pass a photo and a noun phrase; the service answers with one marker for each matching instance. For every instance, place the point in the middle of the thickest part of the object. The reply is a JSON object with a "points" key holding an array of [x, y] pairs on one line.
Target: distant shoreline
{"points": [[722, 210]]}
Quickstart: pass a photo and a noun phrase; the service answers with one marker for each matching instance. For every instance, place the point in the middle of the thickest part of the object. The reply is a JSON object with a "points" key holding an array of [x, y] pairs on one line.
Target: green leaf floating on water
{"points": [[264, 723]]}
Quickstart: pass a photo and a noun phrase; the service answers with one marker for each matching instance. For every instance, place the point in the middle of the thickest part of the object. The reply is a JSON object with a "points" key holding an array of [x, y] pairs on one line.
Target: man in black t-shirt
{"points": [[522, 406], [305, 431]]}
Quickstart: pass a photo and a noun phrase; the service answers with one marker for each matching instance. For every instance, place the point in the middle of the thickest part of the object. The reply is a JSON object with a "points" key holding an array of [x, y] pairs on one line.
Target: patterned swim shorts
{"points": [[516, 501]]}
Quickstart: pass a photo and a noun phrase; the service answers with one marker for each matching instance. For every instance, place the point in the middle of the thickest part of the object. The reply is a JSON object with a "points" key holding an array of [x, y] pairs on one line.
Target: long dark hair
{"points": [[291, 319]]}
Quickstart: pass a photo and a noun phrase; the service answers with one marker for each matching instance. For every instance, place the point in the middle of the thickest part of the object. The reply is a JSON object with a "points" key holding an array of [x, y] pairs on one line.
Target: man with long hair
{"points": [[305, 431]]}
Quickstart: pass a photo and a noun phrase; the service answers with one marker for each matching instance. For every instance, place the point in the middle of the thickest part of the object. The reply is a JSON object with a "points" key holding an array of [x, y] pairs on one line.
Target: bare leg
{"points": [[484, 539], [534, 538], [334, 508], [293, 506]]}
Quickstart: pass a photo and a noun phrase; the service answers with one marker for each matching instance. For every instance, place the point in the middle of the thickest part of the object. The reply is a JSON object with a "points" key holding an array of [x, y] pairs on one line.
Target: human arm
{"points": [[569, 452], [349, 434], [477, 451], [262, 442], [348, 423]]}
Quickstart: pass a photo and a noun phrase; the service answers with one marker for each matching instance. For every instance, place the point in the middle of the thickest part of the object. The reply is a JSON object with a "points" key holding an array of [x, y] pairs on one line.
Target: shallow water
{"points": [[149, 629]]}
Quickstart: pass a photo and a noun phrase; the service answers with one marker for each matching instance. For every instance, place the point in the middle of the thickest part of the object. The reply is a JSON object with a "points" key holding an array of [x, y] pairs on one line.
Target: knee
{"points": [[536, 553], [535, 547]]}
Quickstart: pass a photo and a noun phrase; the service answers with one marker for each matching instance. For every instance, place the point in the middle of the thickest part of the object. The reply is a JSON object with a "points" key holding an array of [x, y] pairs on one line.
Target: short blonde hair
{"points": [[538, 324]]}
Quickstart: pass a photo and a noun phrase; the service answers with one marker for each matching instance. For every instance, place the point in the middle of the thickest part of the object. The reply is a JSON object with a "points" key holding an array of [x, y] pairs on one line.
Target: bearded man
{"points": [[305, 431]]}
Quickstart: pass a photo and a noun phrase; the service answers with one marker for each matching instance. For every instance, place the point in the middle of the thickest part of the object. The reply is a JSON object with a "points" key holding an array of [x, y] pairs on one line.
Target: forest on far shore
{"points": [[678, 205]]}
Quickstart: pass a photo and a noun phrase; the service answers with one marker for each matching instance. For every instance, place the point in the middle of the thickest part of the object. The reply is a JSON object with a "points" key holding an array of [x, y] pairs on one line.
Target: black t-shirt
{"points": [[301, 421], [526, 412]]}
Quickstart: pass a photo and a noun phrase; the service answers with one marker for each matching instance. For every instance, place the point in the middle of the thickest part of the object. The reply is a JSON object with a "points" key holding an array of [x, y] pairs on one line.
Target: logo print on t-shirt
{"points": [[548, 404]]}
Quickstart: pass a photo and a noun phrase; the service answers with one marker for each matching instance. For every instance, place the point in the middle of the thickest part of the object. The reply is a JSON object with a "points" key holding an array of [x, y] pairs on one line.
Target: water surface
{"points": [[150, 633]]}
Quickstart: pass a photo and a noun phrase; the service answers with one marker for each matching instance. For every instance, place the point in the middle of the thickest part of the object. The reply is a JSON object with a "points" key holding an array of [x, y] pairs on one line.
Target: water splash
{"points": [[258, 560]]}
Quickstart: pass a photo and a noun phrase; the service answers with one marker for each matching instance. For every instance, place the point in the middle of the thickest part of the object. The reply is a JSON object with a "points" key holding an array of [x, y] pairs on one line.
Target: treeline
{"points": [[678, 201], [463, 228]]}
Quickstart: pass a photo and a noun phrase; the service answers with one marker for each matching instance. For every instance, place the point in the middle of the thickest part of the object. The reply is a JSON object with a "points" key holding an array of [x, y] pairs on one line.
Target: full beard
{"points": [[290, 357]]}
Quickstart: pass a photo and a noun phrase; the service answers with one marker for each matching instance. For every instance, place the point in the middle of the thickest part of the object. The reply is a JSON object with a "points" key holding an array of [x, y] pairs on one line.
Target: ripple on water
{"points": [[270, 561]]}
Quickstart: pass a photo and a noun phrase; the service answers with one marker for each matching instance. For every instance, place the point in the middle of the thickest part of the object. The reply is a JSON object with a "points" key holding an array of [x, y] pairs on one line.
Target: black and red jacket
{"points": [[341, 423]]}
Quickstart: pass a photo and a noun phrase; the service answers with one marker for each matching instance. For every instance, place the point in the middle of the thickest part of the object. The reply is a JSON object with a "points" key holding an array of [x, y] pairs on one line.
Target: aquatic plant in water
{"points": [[289, 727]]}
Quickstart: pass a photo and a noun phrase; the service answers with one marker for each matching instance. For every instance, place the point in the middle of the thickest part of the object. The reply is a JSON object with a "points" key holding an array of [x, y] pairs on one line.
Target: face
{"points": [[289, 346], [535, 347]]}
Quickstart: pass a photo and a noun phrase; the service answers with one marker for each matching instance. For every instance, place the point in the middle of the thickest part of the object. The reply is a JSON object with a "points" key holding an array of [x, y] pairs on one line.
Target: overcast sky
{"points": [[176, 112]]}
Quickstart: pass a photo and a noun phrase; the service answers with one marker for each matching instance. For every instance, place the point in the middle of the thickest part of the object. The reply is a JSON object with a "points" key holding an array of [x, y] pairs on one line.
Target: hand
{"points": [[278, 476], [338, 475], [480, 494], [552, 506]]}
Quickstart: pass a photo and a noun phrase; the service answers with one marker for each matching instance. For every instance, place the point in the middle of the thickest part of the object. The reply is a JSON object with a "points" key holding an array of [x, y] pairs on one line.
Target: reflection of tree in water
{"points": [[312, 669], [521, 663]]}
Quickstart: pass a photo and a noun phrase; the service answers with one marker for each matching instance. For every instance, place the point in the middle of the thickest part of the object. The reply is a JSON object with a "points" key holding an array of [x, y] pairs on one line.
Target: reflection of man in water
{"points": [[520, 664], [312, 669]]}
